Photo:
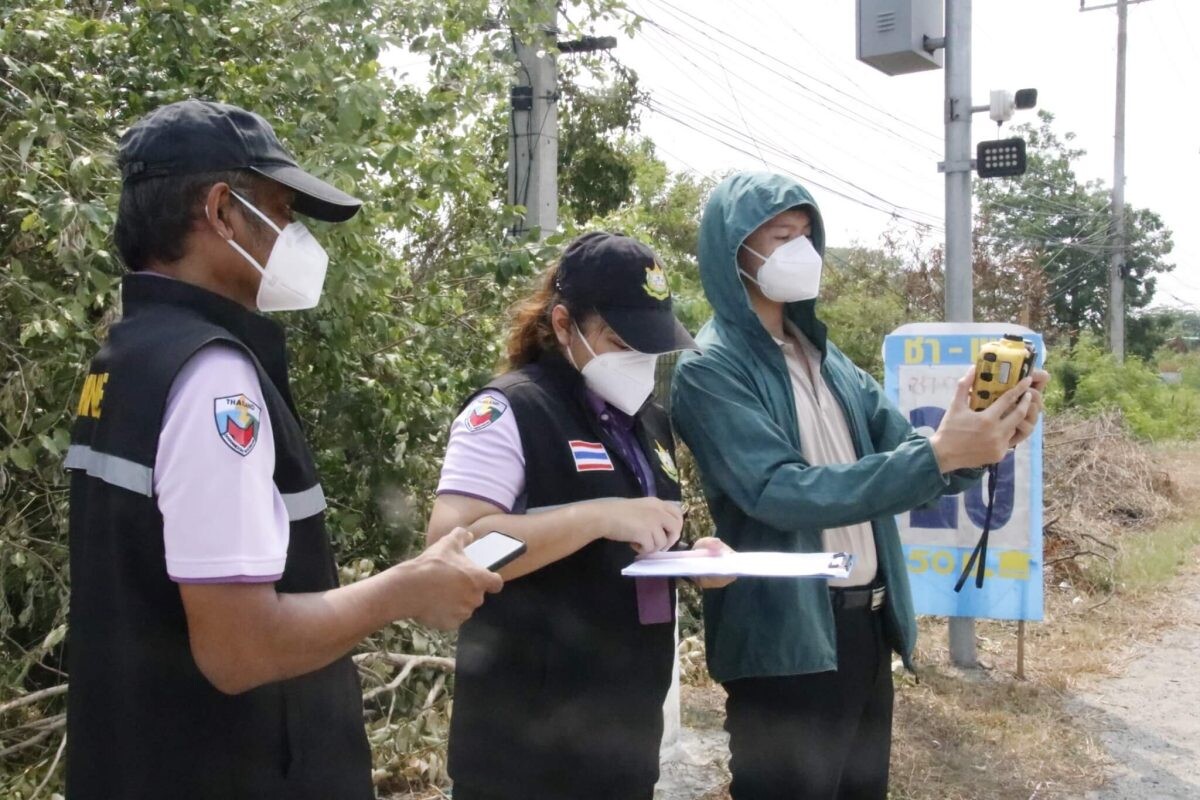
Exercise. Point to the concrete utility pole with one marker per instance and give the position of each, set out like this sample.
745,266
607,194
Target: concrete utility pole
958,276
1116,266
898,37
533,135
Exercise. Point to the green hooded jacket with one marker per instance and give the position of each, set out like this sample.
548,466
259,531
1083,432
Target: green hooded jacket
734,406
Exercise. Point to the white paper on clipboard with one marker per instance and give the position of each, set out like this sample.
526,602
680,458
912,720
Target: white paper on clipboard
701,564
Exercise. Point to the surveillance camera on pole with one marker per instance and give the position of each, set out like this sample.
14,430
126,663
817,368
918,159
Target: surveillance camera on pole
1003,158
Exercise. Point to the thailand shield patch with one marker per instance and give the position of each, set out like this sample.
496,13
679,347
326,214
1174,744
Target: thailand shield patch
237,419
484,412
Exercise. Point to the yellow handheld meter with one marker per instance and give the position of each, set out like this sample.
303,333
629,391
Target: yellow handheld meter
1002,365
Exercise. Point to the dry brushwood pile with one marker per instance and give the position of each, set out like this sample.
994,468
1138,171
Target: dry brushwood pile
1100,481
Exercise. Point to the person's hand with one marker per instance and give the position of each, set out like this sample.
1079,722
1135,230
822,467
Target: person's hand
647,523
716,547
450,585
1040,378
968,439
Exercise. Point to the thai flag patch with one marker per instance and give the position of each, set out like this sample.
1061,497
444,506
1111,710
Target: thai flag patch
590,456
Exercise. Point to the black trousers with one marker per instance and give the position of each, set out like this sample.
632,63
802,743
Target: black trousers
823,736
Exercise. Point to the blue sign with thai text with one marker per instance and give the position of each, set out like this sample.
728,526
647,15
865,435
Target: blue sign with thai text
923,362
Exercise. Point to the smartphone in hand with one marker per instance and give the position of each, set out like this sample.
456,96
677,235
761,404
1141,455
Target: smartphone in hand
494,550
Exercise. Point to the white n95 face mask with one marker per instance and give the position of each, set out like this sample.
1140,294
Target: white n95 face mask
295,271
624,379
791,273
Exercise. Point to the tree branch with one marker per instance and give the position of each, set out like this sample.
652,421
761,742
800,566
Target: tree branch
33,697
409,663
1077,554
50,772
27,743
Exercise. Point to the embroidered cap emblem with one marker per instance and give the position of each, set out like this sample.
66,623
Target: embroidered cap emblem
656,283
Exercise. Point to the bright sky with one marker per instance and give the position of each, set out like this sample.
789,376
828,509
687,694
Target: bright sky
792,95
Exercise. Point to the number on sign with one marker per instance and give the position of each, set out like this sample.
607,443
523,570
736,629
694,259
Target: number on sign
943,515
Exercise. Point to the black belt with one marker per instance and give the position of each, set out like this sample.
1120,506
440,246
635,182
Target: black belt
870,598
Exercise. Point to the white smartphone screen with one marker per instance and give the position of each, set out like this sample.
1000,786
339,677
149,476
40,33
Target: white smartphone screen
494,550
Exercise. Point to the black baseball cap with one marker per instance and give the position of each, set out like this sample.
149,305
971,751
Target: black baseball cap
623,280
195,136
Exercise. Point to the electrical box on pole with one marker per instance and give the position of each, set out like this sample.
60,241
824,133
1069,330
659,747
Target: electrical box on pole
533,131
894,36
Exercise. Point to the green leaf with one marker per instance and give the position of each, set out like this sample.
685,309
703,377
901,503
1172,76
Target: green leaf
20,457
53,638
25,145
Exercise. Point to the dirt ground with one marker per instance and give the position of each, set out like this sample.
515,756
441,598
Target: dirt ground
1110,708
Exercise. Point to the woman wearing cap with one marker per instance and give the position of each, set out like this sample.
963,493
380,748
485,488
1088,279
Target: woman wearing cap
560,679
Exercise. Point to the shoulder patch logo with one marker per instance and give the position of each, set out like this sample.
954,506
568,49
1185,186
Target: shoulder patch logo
237,418
666,462
656,283
484,412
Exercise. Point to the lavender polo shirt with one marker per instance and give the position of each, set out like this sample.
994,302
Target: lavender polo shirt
484,460
224,520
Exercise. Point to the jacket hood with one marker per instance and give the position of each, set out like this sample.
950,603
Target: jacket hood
739,205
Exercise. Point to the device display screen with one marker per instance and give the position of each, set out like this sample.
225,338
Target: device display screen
494,550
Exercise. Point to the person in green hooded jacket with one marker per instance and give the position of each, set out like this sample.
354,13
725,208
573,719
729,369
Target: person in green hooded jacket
799,450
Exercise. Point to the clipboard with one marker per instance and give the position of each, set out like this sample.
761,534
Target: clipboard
760,564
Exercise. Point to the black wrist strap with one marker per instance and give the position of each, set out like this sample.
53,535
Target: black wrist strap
978,557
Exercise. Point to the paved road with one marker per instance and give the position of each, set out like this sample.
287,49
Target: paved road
1149,717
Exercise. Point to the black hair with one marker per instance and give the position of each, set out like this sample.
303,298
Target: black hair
155,215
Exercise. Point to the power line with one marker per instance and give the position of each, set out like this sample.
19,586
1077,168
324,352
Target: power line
684,16
1183,29
657,107
825,102
700,118
814,47
670,110
738,106
1163,44
783,111
784,153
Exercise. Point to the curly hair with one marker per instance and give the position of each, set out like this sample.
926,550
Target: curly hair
530,332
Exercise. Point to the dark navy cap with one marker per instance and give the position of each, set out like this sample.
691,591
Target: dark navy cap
623,280
195,136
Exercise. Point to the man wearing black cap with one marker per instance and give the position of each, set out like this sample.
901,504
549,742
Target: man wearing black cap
560,680
208,636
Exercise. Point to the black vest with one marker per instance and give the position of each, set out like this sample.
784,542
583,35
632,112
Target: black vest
559,688
142,721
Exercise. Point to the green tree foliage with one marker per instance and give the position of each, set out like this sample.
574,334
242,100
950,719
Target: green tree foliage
867,293
1044,240
1153,329
1090,380
596,160
413,313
